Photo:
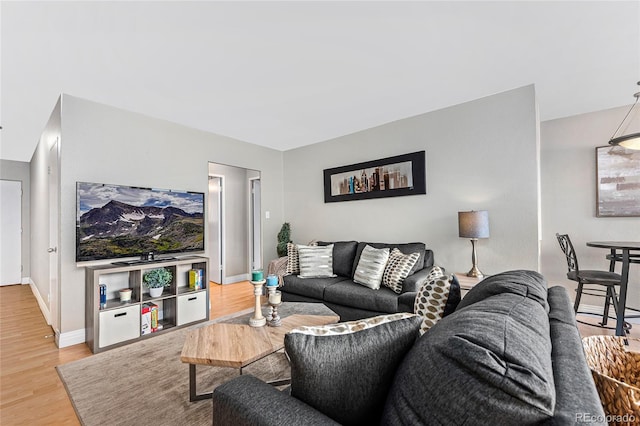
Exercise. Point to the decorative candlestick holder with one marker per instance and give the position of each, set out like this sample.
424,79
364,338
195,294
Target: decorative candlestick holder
257,320
275,300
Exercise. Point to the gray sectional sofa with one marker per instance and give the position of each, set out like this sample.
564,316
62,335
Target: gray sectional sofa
510,354
353,301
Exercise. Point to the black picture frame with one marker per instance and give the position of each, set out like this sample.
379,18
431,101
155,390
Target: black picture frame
396,176
617,182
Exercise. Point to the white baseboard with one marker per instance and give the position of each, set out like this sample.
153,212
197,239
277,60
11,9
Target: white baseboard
70,338
25,280
41,303
598,310
236,278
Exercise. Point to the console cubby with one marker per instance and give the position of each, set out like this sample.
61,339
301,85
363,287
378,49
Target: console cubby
119,323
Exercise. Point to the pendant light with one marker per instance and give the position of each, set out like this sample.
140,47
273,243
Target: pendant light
631,140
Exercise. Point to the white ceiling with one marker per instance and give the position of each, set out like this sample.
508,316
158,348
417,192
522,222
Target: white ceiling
288,74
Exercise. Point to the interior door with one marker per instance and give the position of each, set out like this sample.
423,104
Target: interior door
54,236
256,226
10,232
216,228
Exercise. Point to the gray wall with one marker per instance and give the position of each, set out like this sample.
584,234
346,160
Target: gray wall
39,200
20,171
481,155
106,144
569,198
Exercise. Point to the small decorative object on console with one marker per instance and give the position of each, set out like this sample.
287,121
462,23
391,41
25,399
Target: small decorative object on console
156,280
195,279
103,296
125,295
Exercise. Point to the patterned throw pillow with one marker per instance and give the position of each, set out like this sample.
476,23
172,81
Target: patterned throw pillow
435,272
315,261
371,267
345,370
398,268
349,327
293,264
431,301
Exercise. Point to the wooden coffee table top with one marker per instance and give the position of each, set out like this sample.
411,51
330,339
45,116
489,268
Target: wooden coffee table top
238,345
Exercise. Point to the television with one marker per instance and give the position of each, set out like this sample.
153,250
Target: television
116,221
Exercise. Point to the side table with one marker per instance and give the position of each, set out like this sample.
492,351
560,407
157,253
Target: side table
466,283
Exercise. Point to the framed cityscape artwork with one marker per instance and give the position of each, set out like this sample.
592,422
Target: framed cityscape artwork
618,182
388,177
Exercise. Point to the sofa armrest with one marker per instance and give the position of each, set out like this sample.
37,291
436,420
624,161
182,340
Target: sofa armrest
406,301
247,400
413,282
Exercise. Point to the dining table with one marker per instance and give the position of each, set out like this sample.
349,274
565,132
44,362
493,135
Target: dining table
627,256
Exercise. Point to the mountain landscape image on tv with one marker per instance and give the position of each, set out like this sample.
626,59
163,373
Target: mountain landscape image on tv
115,221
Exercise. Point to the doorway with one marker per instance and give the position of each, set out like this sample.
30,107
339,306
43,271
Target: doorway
235,228
216,239
255,239
54,235
11,225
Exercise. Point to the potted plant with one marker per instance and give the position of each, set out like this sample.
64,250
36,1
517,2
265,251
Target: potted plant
156,280
284,237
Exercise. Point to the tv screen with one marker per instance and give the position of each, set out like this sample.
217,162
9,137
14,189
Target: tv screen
114,221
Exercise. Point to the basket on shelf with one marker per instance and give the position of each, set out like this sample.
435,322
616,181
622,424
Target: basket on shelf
616,373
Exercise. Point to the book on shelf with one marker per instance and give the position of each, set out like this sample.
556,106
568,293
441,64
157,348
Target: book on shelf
145,319
196,277
149,318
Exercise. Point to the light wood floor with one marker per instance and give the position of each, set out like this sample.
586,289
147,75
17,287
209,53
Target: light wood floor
30,389
31,392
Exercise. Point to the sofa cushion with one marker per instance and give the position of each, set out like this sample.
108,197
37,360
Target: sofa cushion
431,300
371,266
344,253
404,248
345,370
398,268
309,287
491,356
571,371
350,294
315,261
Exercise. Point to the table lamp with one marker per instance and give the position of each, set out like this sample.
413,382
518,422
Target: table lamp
473,225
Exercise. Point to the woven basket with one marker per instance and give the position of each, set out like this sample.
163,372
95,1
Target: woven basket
616,373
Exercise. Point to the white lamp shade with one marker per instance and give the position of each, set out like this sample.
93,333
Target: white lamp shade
473,224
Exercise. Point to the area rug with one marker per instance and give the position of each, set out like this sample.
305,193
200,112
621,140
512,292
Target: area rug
146,383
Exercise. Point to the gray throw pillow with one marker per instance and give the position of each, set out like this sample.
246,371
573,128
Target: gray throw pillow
345,370
371,267
315,261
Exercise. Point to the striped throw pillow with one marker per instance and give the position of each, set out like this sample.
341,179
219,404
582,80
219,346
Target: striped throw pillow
398,268
315,261
371,267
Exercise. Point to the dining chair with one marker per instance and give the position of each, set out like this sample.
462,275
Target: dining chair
591,282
